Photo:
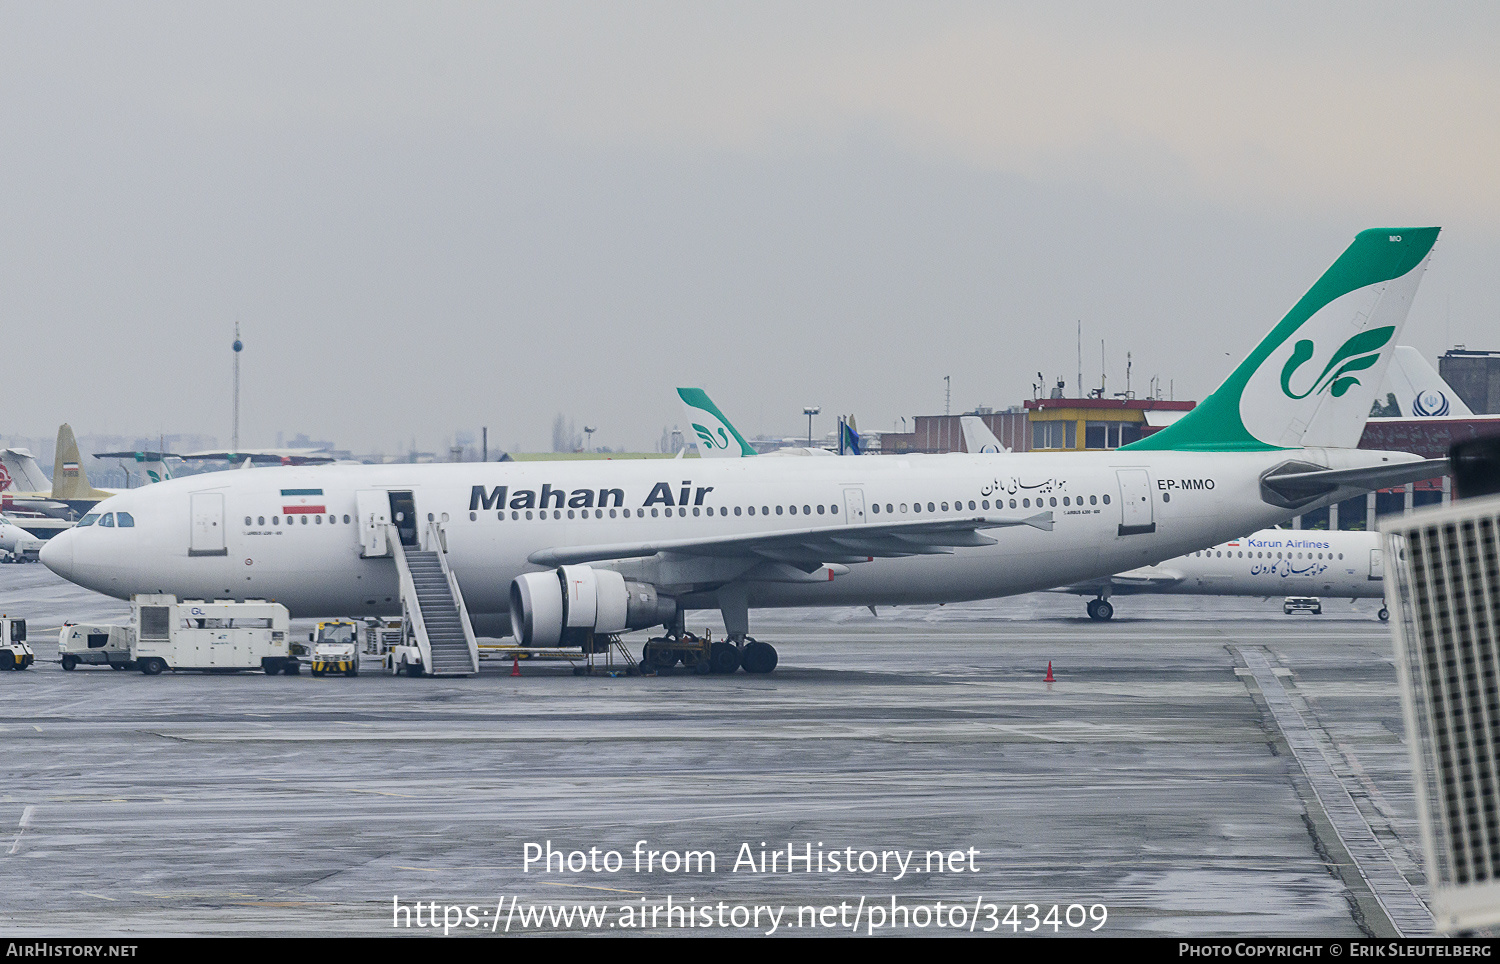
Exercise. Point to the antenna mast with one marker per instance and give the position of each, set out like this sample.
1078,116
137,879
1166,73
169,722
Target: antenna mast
239,346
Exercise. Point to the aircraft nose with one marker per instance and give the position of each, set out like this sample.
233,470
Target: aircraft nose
57,554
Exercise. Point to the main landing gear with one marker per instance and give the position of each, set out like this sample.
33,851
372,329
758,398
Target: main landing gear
704,654
1100,609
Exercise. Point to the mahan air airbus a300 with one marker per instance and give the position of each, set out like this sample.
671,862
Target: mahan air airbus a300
551,550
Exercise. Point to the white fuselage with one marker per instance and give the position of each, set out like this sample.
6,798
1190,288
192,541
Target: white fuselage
250,534
1271,562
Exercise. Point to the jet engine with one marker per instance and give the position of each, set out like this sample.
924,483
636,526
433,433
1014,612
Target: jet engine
566,606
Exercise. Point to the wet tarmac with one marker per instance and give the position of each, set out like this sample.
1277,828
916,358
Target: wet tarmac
1152,789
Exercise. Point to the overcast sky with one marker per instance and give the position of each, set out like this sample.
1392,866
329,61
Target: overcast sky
433,217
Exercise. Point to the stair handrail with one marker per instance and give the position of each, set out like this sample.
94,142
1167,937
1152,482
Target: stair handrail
413,613
439,537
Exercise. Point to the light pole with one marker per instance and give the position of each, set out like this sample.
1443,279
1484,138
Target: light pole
810,411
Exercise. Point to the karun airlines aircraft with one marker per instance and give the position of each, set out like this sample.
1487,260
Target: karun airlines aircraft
1270,562
607,546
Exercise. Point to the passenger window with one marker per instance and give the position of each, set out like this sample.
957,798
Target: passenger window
695,510
346,520
247,520
318,518
736,510
807,510
930,508
794,510
875,508
1106,499
945,507
275,520
260,520
778,510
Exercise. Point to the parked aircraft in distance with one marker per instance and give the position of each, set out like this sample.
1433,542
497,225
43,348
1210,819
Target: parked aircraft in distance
1270,562
567,548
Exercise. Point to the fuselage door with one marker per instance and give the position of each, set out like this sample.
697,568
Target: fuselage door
404,514
374,507
1377,565
208,525
854,506
1136,513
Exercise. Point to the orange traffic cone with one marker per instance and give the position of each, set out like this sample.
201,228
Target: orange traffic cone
515,666
1049,678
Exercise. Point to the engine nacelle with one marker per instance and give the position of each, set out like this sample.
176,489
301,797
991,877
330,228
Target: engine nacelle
566,606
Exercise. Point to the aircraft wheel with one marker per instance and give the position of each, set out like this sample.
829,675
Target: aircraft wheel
69,661
723,658
1384,614
758,657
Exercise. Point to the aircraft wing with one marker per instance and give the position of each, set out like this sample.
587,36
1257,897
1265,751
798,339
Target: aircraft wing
265,456
1143,580
814,546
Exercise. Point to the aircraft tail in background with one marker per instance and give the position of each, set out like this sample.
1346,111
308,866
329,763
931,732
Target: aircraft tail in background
715,436
978,439
21,472
1413,389
70,483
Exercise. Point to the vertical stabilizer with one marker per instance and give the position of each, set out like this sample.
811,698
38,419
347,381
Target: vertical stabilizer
715,436
1418,390
1311,382
21,472
69,481
978,438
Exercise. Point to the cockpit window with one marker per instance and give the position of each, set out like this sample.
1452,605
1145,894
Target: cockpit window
88,520
125,520
108,521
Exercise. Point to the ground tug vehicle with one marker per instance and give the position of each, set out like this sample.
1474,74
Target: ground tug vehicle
15,652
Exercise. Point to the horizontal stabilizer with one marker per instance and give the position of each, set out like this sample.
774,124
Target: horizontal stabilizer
1294,484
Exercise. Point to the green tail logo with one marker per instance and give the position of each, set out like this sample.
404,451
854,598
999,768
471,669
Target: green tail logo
722,442
1356,354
